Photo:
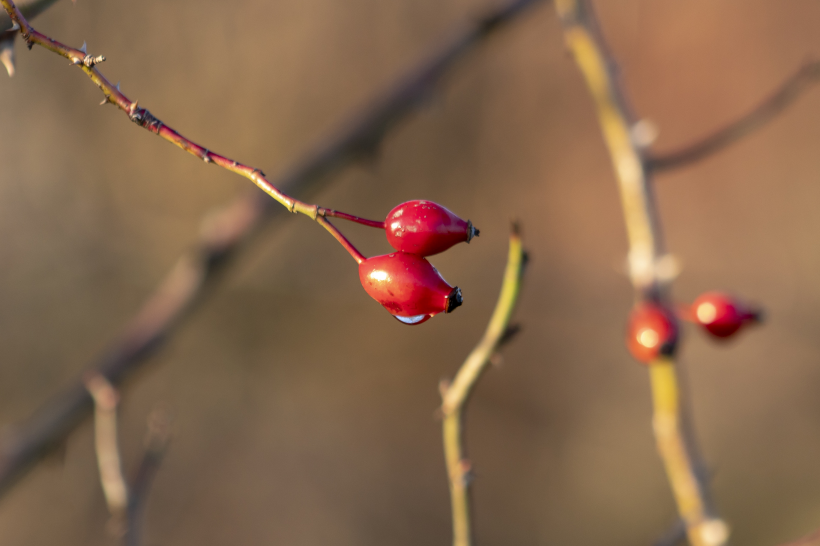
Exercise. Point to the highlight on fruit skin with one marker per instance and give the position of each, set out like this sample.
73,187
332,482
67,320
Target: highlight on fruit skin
426,228
721,315
652,331
408,286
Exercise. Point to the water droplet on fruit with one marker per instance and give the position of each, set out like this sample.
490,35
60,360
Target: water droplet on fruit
415,319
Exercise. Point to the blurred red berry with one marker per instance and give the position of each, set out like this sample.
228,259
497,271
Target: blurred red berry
652,331
426,228
407,286
720,314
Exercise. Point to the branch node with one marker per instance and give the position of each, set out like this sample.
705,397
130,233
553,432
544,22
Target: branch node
205,157
90,61
443,388
644,133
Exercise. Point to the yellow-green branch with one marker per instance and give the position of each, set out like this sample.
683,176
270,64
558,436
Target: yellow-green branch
646,251
455,395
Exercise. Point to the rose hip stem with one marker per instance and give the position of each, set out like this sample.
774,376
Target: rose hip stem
325,223
351,218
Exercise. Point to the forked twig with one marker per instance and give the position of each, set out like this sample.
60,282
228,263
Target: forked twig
126,504
456,394
763,113
646,252
222,236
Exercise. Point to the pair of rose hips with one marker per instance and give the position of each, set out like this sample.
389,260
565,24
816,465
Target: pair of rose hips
404,282
653,330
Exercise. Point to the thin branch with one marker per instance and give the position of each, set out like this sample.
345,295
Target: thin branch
350,218
113,483
456,394
763,113
646,252
324,222
142,117
156,444
223,235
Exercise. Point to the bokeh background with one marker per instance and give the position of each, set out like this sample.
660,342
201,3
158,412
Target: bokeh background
304,414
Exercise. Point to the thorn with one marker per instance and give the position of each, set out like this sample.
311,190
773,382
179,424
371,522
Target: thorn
75,62
84,49
105,100
15,26
511,331
118,86
133,107
7,55
467,474
205,156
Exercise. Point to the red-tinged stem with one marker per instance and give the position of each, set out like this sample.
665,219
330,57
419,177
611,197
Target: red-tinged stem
351,218
144,118
341,238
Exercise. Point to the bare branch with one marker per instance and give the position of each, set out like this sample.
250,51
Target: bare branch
763,113
675,442
456,394
113,484
223,235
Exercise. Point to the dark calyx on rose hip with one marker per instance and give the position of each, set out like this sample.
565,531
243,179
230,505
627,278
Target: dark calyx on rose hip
408,286
652,331
722,315
426,228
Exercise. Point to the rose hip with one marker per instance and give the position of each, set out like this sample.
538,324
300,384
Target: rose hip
408,286
720,314
652,331
426,228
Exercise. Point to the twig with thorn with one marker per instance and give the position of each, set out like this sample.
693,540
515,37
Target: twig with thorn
145,119
456,394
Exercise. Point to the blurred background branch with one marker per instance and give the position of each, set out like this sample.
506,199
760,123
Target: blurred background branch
675,440
763,113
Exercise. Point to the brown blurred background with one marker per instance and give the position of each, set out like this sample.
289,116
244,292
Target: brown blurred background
304,413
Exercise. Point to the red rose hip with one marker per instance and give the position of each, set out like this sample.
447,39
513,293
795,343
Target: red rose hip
720,314
426,228
652,331
407,286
